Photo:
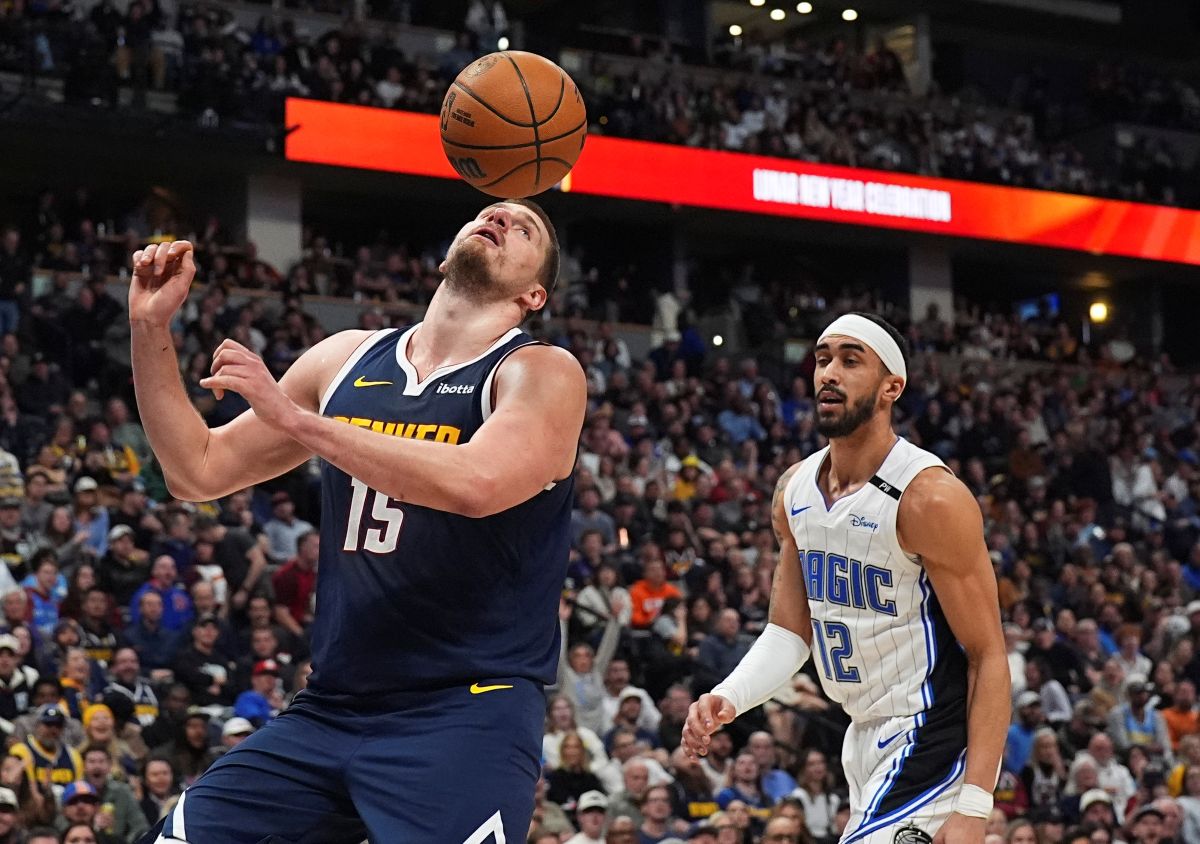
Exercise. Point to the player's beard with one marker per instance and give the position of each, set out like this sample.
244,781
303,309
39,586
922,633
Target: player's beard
469,273
853,417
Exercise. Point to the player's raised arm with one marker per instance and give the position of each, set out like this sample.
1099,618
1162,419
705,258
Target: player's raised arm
528,442
776,655
200,464
940,521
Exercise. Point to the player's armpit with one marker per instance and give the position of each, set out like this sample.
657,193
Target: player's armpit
789,598
247,451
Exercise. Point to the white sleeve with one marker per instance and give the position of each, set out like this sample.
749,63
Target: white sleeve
770,664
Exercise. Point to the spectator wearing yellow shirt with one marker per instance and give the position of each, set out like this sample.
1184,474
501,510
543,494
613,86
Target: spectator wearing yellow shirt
47,760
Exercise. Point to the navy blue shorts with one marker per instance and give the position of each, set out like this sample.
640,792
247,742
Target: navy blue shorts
449,766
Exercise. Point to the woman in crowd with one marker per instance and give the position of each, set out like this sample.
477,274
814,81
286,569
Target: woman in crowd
560,723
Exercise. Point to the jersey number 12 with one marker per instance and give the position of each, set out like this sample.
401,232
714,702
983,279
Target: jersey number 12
377,540
836,651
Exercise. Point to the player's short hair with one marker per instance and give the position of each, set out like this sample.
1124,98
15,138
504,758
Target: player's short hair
548,275
892,331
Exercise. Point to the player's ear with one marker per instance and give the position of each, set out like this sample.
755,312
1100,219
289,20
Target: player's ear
893,386
534,299
442,266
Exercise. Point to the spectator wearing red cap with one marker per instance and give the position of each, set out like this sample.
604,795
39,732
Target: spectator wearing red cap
295,584
264,700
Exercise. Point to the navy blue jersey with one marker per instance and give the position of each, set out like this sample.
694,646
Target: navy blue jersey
410,597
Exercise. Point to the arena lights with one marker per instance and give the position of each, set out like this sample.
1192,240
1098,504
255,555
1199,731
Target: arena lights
718,340
804,8
405,142
1098,312
758,2
849,15
778,14
735,30
502,44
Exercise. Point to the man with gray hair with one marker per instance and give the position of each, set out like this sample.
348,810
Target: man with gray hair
628,802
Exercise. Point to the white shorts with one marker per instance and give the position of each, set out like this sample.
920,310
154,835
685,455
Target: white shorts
904,775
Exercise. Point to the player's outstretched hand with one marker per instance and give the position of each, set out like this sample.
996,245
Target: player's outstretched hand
705,717
236,368
162,274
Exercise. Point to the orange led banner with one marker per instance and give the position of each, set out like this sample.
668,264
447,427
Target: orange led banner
403,142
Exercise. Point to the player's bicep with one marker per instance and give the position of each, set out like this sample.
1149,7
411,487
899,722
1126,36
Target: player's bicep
531,437
789,598
248,451
941,522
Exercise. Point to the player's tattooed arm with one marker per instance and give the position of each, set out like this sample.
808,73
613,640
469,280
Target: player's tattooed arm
789,601
778,513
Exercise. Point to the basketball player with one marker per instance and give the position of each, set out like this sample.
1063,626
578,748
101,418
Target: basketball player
884,573
448,450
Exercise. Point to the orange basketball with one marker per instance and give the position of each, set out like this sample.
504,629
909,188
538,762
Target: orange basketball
513,124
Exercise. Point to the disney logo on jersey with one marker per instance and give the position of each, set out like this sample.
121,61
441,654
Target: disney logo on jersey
462,389
863,522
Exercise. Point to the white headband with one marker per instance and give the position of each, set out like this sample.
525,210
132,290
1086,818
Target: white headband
874,336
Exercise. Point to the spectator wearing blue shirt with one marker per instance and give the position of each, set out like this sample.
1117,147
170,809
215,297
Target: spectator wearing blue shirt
177,605
776,782
43,598
264,700
1019,746
738,423
629,712
90,516
745,784
155,644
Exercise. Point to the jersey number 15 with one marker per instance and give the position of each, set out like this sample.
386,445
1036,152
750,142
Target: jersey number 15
377,540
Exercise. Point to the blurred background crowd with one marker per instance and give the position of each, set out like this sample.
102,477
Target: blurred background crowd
143,636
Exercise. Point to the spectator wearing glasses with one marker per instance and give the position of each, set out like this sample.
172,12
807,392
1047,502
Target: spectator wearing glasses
656,812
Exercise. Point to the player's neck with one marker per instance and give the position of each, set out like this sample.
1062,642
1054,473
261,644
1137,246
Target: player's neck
457,329
854,459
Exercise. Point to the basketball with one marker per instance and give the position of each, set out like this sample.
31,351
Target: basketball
513,124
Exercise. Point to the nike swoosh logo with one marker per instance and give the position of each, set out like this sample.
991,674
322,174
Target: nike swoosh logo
796,511
359,382
886,742
477,689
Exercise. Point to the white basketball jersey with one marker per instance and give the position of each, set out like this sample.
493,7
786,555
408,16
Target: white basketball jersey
881,644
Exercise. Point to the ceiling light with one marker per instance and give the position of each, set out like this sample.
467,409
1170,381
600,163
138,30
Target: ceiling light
758,2
735,30
503,42
849,15
804,8
778,14
1098,312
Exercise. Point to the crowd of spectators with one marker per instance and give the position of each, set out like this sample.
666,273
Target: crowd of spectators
825,101
141,636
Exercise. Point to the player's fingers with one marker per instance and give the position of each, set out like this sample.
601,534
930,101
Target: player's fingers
726,712
137,257
160,259
227,357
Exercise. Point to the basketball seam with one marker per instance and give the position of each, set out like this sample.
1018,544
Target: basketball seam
483,103
562,90
501,178
537,143
582,124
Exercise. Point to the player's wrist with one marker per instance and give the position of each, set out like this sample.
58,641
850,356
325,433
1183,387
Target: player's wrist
974,802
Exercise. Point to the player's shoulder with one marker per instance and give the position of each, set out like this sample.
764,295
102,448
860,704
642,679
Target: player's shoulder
937,495
539,361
